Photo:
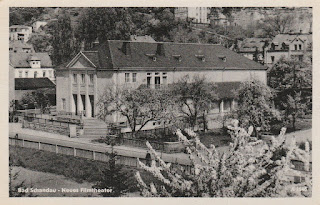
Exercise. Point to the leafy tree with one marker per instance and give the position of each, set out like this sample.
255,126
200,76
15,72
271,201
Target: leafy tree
62,40
193,97
104,24
255,106
250,168
41,43
24,15
292,79
138,106
114,178
278,23
40,98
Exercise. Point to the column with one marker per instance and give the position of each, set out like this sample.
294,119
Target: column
79,99
221,108
95,95
233,104
87,99
71,100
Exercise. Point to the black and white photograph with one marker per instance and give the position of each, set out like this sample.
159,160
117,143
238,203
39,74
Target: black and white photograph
210,102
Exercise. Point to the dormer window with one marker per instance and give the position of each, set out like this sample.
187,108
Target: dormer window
152,56
178,57
201,57
223,58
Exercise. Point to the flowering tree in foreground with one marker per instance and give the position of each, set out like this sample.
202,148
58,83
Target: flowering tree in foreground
251,168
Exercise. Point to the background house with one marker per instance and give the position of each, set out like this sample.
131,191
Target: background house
20,33
19,46
196,14
253,48
288,45
32,65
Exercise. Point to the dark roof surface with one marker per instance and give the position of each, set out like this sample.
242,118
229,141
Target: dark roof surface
110,55
33,83
226,89
20,60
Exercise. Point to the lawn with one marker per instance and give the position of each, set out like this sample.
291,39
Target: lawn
78,169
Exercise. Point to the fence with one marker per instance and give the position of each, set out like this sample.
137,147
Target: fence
92,152
167,147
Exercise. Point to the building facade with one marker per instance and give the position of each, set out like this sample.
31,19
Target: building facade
196,14
20,33
289,46
32,65
114,64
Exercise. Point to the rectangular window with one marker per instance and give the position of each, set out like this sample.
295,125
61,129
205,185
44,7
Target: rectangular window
295,47
20,74
26,74
44,74
63,103
83,80
272,59
127,77
91,78
300,47
74,78
164,80
148,82
35,74
157,82
134,77
50,73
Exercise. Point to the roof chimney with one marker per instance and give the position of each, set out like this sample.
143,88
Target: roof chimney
82,46
160,49
126,48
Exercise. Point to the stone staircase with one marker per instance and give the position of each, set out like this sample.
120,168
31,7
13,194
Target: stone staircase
94,128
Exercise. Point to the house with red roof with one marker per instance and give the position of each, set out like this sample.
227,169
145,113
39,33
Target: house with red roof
116,63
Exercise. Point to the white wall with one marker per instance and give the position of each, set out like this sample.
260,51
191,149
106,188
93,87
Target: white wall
31,72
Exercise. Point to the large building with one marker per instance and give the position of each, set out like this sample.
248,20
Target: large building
196,14
20,33
32,65
115,63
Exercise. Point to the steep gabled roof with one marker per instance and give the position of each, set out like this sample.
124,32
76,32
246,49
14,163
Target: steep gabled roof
192,56
20,60
33,83
128,55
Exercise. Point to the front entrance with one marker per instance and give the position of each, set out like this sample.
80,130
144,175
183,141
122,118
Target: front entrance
91,97
83,98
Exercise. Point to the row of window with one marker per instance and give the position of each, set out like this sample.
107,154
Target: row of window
127,77
296,47
35,74
83,78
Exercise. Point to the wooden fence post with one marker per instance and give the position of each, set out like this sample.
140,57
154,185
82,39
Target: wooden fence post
22,142
74,152
39,146
94,155
56,149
